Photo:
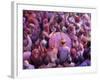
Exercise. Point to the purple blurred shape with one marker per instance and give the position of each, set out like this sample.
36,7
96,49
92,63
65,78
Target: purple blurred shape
57,37
26,55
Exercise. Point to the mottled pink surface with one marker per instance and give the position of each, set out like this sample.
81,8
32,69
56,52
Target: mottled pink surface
56,39
26,55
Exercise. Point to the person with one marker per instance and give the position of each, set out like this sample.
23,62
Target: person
27,65
74,55
26,55
87,58
36,59
52,53
43,54
64,53
29,44
44,42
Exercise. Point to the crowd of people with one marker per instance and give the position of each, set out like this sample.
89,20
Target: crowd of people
38,29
